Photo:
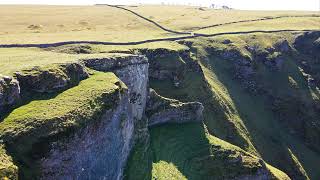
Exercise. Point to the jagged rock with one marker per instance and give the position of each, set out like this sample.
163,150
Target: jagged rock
282,46
102,150
226,41
133,71
98,151
308,43
51,79
165,64
162,110
9,92
114,62
274,61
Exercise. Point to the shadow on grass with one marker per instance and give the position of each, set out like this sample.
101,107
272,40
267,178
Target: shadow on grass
27,98
269,134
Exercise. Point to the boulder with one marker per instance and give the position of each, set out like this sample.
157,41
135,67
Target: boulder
9,92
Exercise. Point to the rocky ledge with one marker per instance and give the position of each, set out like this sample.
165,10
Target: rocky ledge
162,110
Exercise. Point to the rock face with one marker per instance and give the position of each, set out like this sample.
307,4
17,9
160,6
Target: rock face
162,110
308,43
9,92
50,79
98,151
133,71
165,64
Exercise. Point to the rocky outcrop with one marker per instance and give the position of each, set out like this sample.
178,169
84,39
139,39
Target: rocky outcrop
308,43
99,151
165,64
282,46
9,92
162,110
51,78
133,71
274,61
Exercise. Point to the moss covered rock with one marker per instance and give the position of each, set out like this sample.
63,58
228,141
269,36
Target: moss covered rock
162,110
51,78
27,127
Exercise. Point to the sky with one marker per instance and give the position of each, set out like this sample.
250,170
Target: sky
313,5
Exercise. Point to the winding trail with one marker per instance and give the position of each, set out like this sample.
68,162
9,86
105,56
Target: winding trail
46,45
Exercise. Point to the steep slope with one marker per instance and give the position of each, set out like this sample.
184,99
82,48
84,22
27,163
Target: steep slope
257,92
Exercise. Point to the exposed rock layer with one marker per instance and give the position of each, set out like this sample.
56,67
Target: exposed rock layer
53,78
162,110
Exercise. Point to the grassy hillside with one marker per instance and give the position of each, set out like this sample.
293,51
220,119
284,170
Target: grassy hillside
191,18
189,152
44,24
245,118
48,24
25,130
260,91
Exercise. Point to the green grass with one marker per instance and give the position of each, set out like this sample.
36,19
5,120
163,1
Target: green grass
297,23
188,152
163,170
49,24
263,129
30,124
233,114
69,23
188,18
77,101
7,168
16,59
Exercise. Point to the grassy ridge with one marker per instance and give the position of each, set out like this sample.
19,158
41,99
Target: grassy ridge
16,59
244,119
31,124
49,24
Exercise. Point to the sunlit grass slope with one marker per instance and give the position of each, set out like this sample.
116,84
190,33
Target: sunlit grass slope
188,152
48,24
190,18
43,24
239,117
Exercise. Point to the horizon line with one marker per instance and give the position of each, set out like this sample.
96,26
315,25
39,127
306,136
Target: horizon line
156,4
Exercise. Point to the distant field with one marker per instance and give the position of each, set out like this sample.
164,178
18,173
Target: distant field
188,18
41,24
48,24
